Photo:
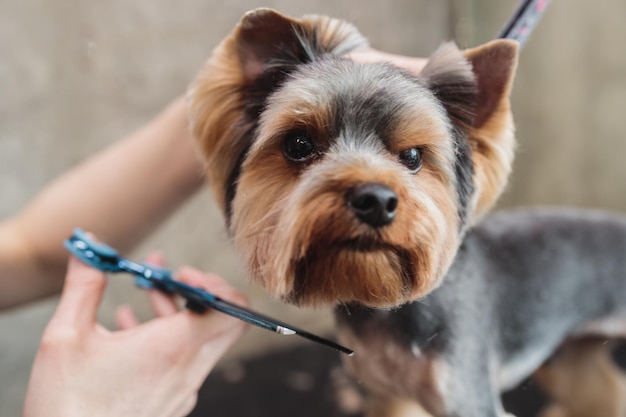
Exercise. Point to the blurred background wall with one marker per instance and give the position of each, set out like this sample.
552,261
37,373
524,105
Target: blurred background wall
76,75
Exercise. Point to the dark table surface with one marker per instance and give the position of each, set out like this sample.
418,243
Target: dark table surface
305,381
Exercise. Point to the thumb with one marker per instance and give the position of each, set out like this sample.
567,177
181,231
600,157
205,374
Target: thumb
81,295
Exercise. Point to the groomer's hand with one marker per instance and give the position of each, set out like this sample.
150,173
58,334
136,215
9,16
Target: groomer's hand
153,369
411,64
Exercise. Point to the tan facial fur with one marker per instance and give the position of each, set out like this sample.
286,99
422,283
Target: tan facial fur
290,221
295,229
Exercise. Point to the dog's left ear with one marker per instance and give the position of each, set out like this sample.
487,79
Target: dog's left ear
474,87
494,65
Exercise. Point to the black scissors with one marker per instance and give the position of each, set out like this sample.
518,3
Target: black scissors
107,259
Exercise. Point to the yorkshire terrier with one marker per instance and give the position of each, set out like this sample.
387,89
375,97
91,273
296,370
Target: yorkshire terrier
361,186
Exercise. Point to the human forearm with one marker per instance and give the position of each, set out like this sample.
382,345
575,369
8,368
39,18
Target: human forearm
121,194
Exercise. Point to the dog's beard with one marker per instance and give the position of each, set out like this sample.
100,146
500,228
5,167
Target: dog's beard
309,248
381,275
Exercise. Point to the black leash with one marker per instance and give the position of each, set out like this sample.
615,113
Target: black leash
524,20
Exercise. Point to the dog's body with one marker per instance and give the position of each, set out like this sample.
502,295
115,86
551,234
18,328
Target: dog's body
357,185
521,284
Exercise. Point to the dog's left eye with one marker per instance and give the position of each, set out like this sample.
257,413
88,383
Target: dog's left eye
298,147
412,159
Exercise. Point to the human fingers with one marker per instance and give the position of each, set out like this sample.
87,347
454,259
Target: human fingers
211,351
200,328
125,318
186,332
196,342
412,64
213,284
82,293
162,304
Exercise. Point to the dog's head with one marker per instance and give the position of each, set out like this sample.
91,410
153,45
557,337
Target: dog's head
343,181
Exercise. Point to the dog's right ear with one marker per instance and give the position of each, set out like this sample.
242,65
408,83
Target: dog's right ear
266,38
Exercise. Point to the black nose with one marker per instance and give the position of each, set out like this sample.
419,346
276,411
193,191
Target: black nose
374,204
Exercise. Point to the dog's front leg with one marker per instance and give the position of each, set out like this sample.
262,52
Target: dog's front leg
468,387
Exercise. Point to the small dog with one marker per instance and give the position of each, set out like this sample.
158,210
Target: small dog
361,186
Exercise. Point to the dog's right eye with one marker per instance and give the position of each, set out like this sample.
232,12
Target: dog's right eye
298,147
412,159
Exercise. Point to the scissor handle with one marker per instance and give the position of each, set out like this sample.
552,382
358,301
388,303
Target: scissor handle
95,254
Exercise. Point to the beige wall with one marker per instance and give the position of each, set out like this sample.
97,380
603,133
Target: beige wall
75,75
